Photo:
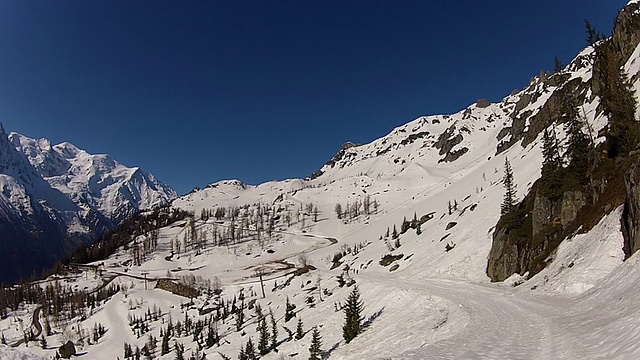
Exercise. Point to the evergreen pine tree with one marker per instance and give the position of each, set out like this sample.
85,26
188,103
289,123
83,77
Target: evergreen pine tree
316,343
353,315
274,330
288,311
551,178
263,333
128,352
242,355
558,66
164,347
578,145
240,317
179,351
212,337
592,35
299,330
250,351
509,200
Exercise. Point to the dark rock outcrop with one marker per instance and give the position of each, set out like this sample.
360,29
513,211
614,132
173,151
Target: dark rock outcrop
626,33
341,153
631,214
67,350
454,155
177,288
483,103
526,249
447,140
551,112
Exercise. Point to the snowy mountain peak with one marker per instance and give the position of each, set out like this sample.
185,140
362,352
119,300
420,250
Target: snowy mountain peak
67,150
233,184
94,181
78,193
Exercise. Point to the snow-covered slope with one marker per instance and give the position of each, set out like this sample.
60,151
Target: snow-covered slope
425,167
425,290
54,197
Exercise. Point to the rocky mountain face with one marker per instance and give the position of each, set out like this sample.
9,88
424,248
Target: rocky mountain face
612,182
55,197
461,139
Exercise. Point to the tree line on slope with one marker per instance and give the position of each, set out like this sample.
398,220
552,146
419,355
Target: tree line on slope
576,172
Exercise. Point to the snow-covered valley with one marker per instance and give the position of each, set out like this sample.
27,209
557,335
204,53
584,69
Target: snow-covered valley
409,219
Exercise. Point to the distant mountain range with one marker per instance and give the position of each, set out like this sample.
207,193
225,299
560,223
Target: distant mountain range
56,197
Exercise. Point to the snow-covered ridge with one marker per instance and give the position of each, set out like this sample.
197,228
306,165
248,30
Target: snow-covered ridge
95,181
462,139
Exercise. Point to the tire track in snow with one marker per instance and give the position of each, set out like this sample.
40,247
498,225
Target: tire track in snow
501,325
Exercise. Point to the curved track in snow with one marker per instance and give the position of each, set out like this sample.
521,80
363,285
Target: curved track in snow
501,324
35,322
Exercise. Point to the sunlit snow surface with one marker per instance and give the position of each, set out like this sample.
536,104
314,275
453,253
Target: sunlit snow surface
438,304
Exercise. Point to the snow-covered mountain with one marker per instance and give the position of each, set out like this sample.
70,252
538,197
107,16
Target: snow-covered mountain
93,181
54,197
412,219
444,165
447,166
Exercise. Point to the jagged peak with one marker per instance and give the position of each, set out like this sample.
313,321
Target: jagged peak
90,181
68,150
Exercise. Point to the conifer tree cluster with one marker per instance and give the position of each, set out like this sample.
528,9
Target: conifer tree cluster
552,174
580,150
248,352
352,211
618,102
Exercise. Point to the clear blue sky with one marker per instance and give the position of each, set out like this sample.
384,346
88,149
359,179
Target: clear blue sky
198,91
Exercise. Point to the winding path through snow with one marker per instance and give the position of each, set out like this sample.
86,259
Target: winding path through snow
501,324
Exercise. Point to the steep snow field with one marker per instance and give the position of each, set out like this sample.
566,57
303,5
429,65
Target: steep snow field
437,304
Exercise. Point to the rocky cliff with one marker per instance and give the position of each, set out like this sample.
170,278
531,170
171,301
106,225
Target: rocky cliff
528,247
